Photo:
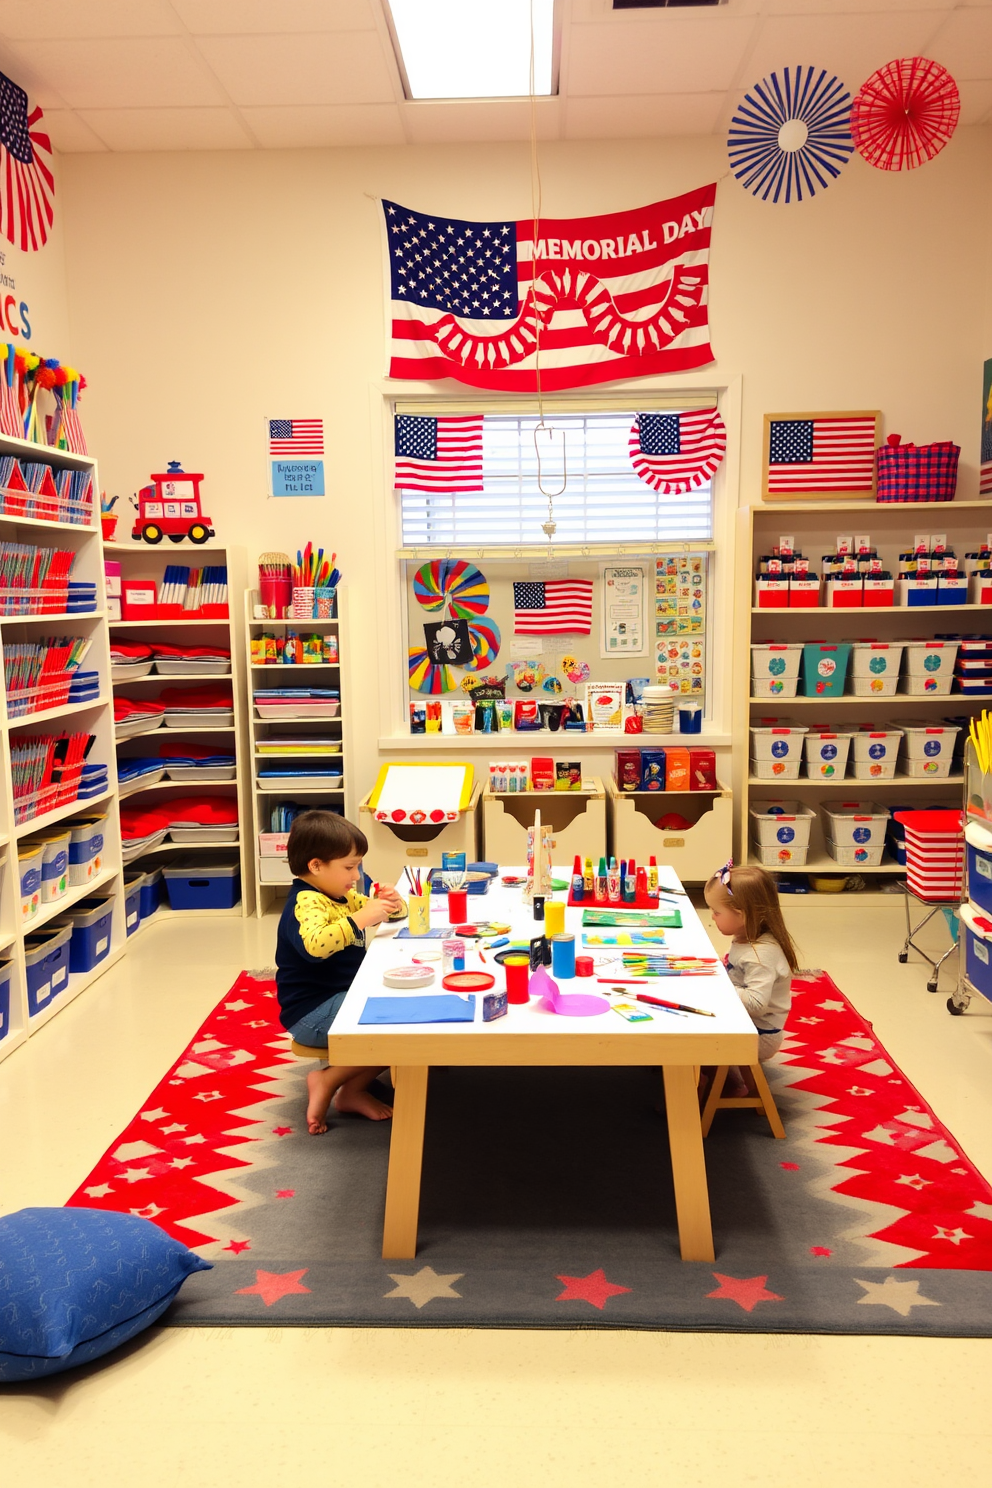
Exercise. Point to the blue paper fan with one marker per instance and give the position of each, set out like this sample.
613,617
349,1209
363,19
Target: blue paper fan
791,134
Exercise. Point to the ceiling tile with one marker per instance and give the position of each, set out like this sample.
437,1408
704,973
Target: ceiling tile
964,44
976,102
58,20
479,121
256,70
253,17
852,51
669,55
168,129
309,126
643,117
70,135
139,73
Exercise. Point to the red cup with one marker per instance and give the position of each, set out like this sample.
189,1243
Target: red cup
457,906
517,970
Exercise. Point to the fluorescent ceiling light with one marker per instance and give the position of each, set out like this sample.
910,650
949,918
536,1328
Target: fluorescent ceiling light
473,48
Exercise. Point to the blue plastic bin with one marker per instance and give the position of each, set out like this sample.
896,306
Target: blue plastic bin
133,884
978,950
46,959
979,844
6,983
203,885
152,892
90,921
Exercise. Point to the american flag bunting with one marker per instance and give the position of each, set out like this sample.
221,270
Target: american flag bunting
27,186
552,607
673,452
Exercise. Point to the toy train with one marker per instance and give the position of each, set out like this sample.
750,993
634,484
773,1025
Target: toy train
171,508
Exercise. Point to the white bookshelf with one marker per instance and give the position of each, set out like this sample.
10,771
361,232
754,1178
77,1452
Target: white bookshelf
814,528
94,717
315,674
139,560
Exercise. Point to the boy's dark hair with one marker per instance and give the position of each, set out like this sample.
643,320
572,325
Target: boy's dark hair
324,835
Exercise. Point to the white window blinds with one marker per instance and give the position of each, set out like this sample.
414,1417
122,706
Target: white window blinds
604,500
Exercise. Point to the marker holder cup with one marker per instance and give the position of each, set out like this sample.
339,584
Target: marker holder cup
419,914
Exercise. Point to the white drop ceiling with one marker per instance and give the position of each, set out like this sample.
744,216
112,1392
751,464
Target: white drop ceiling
128,75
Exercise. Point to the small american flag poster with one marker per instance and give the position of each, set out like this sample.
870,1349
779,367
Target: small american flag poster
295,450
826,456
552,607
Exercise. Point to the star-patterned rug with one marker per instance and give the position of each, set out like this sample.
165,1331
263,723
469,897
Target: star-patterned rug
547,1198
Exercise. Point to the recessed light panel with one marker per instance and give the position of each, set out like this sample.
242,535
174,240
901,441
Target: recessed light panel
473,48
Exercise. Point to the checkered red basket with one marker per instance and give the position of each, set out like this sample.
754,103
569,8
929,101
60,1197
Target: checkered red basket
917,472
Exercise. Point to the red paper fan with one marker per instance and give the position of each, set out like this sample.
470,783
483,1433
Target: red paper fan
905,114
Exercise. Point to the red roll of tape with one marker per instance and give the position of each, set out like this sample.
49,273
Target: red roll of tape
584,966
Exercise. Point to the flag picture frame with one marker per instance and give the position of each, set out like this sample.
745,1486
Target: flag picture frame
827,455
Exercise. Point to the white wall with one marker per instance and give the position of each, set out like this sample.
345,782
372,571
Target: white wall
209,291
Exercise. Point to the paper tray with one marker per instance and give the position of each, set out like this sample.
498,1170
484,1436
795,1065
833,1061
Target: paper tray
298,710
289,782
140,782
170,667
201,772
129,671
201,718
138,725
197,833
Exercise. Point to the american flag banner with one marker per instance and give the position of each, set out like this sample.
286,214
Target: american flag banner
593,299
824,452
673,452
295,439
27,186
438,454
552,607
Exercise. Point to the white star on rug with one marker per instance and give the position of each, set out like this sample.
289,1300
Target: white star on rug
914,1117
176,1126
155,1115
954,1236
859,1041
181,1162
196,1137
913,1180
809,1020
939,1151
238,1006
981,1211
127,1151
832,1007
135,1175
877,1067
99,1192
209,1095
859,1090
424,1286
901,1296
149,1211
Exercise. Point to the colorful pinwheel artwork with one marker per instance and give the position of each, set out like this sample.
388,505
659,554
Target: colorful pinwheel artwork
905,114
452,582
426,675
27,186
791,135
485,638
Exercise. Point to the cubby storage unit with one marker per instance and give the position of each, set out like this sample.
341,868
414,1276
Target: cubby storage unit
695,851
299,757
814,528
29,995
214,626
578,819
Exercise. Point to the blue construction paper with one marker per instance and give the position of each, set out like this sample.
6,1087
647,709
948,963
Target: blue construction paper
436,934
438,1007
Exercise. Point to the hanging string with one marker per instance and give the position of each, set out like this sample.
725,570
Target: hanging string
536,203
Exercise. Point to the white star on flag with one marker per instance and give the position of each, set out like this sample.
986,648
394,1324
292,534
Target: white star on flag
981,1211
181,1162
913,1180
155,1115
100,1191
901,1296
832,1007
176,1126
135,1175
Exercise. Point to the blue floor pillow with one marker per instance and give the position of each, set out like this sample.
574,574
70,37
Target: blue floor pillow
76,1283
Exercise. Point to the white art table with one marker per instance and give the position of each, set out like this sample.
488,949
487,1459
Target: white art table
530,1036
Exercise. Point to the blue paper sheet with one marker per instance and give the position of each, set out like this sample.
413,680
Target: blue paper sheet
437,1007
436,934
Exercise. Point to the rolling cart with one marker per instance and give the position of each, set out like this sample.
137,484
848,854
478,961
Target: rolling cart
934,870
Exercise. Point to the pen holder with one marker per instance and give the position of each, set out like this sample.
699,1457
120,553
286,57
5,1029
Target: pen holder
457,906
275,594
554,917
419,921
303,602
324,604
517,970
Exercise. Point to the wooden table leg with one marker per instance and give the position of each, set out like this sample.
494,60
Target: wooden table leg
685,1138
406,1154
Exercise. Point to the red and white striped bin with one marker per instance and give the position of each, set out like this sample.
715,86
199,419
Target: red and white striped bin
935,853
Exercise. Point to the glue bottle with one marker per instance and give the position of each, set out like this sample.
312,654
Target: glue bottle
601,882
613,882
630,883
653,878
587,878
578,882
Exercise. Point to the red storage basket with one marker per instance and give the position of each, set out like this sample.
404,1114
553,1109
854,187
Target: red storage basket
916,472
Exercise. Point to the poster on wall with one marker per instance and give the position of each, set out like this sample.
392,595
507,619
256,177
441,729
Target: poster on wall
624,632
680,622
295,457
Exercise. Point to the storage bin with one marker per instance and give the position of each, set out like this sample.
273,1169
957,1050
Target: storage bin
826,754
691,850
29,860
218,718
274,871
152,892
804,592
90,921
203,885
46,963
779,770
774,687
980,587
86,848
772,594
978,845
273,844
781,823
201,773
977,931
94,782
776,750
577,817
928,667
199,833
132,903
824,668
952,590
874,753
54,866
935,851
875,668
6,984
779,856
915,593
776,660
844,593
855,855
928,749
856,823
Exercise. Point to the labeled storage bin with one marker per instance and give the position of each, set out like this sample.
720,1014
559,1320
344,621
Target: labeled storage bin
977,933
875,668
132,903
86,848
201,884
776,750
856,823
781,823
874,753
29,860
826,754
929,667
6,985
978,845
824,668
54,866
775,668
928,750
855,855
779,856
90,921
46,962
690,832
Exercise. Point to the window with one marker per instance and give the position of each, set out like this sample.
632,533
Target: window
604,500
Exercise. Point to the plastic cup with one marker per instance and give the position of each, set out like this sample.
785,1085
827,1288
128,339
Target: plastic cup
457,906
517,970
419,907
554,917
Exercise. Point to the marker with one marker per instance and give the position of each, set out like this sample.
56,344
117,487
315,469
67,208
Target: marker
613,882
630,883
587,878
661,1006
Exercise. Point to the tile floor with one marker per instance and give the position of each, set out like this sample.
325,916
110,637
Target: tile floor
267,1408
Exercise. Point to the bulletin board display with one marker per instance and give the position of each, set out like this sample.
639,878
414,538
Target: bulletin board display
490,625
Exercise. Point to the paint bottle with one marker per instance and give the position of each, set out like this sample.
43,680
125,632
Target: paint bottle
641,892
653,878
601,882
578,881
587,878
630,883
613,882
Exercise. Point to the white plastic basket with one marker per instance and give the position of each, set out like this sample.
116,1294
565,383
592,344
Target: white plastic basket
874,753
930,769
776,769
851,855
780,855
856,823
781,824
777,742
928,667
826,755
776,659
928,742
876,661
876,686
774,687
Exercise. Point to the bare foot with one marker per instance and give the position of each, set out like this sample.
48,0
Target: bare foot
319,1089
362,1103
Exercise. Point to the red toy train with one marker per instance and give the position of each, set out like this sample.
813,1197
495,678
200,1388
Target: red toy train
171,508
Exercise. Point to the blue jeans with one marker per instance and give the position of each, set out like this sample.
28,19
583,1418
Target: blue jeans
313,1029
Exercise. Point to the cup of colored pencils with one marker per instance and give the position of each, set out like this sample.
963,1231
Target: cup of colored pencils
275,585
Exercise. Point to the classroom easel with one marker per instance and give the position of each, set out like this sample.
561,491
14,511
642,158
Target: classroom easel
762,1100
